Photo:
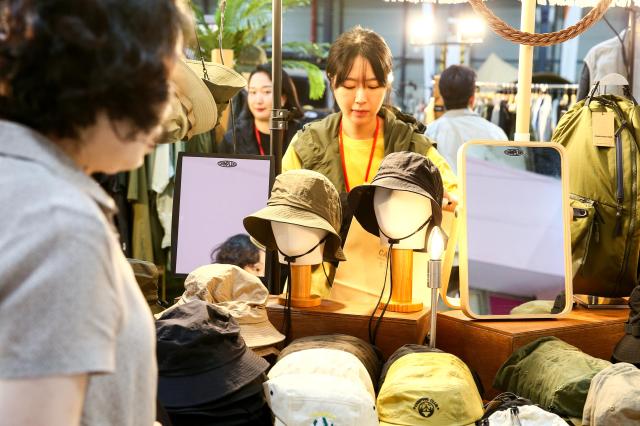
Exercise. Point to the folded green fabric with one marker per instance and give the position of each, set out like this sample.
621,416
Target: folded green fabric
551,373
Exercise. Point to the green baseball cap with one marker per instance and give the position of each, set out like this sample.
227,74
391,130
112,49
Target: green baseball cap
305,198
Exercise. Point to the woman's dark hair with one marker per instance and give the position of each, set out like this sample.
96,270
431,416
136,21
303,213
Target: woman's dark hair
457,85
64,61
237,250
288,89
356,42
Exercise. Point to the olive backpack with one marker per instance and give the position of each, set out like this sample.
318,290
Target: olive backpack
603,182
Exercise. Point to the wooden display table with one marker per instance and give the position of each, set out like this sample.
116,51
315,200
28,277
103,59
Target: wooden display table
485,345
350,318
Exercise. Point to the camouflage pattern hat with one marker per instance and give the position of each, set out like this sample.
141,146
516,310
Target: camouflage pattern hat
147,276
305,198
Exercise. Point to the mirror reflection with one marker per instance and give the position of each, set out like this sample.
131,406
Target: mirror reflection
514,230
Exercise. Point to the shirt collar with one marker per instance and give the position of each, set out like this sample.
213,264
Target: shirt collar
24,143
459,112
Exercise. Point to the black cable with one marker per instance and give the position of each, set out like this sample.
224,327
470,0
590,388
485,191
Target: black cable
286,322
223,5
374,334
325,275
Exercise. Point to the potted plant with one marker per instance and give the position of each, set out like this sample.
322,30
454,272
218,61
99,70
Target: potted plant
246,24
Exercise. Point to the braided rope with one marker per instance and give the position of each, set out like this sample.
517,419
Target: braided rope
505,31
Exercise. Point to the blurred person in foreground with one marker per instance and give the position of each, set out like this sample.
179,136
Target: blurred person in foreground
83,89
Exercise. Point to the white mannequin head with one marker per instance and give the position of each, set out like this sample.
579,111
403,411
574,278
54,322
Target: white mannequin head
296,239
399,213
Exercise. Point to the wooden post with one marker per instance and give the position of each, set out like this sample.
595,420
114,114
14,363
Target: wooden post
301,296
525,69
402,275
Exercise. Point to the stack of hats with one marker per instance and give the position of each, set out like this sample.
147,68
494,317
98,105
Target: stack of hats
422,386
313,385
238,293
628,348
304,198
614,397
207,375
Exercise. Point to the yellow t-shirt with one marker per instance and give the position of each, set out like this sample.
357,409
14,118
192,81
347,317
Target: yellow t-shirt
356,153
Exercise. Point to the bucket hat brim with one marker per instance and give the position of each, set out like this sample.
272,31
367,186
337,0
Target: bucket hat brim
258,225
627,350
209,386
223,82
260,334
195,97
361,201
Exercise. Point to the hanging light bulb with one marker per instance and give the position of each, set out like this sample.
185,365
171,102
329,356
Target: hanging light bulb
435,244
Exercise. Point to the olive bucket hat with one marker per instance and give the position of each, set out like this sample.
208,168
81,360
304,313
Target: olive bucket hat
305,198
402,171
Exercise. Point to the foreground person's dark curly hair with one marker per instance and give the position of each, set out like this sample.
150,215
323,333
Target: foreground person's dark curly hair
62,62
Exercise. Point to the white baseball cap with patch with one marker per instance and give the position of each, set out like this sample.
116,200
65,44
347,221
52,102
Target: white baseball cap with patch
321,386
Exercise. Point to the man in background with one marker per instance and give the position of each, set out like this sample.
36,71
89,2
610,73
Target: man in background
460,123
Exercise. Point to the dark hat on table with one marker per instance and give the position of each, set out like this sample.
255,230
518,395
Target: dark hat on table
201,355
628,348
401,171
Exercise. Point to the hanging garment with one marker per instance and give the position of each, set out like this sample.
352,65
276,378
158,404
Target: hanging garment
605,232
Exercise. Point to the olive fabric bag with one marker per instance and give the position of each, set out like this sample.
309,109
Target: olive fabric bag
552,374
603,182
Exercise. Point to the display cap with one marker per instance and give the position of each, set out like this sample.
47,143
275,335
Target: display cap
614,396
201,355
410,348
369,355
429,388
628,348
223,82
527,415
237,292
401,171
305,198
196,103
321,386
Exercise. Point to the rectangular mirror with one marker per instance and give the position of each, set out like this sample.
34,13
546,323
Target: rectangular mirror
515,259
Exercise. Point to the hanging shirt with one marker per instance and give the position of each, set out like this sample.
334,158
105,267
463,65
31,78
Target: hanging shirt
458,126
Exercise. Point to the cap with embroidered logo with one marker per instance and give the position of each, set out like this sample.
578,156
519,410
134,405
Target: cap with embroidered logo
429,388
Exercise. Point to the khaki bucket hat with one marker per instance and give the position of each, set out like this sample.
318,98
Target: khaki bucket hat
196,101
223,82
305,198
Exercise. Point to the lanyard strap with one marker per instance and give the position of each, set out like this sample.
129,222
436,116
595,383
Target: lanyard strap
259,139
373,150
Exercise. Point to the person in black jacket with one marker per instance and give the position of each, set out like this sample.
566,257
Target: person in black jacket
252,127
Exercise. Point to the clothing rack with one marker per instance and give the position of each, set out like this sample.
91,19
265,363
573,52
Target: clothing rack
539,86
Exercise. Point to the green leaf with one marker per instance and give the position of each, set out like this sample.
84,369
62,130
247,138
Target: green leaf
316,77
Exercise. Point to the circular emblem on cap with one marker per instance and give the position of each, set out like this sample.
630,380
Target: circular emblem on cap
426,407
